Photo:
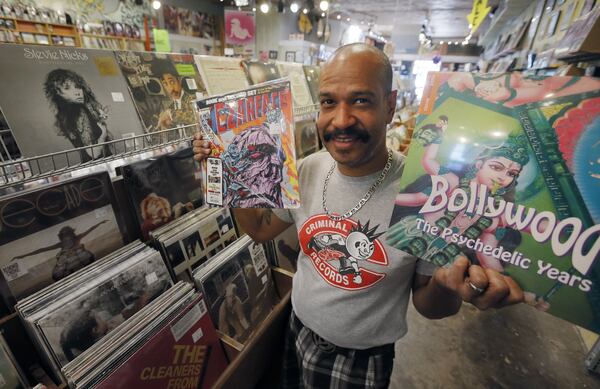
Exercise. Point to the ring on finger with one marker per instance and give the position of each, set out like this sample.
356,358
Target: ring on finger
476,288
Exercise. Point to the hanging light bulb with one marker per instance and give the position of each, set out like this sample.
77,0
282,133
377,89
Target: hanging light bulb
324,5
264,8
338,17
156,4
305,11
294,7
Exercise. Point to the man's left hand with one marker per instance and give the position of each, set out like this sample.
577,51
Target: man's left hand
484,288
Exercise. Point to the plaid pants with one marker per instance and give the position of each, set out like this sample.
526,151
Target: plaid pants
312,362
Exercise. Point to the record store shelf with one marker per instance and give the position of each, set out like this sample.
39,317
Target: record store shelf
48,165
44,166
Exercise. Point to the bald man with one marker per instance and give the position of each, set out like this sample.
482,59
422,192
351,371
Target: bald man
351,290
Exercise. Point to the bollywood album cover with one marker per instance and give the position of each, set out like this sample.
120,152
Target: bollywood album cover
185,353
101,306
313,77
512,189
259,72
300,90
163,87
79,96
307,138
54,231
252,164
221,74
239,290
162,189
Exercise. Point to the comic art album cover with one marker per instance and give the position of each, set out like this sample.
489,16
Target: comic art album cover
172,343
253,163
238,287
51,232
163,87
82,315
482,183
69,97
162,189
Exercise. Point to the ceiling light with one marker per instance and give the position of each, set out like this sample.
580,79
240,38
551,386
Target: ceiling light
324,5
264,8
338,17
305,11
322,14
456,43
294,7
156,4
441,42
347,19
253,9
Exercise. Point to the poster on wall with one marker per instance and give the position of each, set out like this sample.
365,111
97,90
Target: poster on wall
58,99
163,87
188,22
240,31
513,185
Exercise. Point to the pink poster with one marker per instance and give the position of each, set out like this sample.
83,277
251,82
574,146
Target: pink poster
240,29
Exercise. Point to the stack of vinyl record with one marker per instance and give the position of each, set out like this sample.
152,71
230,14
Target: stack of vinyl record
170,343
69,316
190,241
284,249
239,289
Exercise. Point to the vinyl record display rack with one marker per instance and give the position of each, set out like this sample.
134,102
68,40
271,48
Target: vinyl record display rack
30,169
44,166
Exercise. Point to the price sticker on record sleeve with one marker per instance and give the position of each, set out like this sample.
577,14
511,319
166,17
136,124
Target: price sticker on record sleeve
13,271
214,181
259,258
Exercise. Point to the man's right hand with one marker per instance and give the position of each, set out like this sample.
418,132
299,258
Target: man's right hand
201,147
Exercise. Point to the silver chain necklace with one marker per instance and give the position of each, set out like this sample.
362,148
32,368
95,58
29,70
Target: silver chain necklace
364,199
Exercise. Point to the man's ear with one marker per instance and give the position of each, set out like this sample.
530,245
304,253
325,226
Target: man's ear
391,105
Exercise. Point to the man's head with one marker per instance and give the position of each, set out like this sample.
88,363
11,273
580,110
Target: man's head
357,102
169,78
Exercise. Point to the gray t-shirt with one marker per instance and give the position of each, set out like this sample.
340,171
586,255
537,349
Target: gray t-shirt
350,287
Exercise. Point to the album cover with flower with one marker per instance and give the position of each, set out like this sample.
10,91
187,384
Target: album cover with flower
511,187
253,163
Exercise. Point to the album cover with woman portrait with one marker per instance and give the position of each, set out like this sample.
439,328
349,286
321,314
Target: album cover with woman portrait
54,231
80,99
513,188
163,87
162,189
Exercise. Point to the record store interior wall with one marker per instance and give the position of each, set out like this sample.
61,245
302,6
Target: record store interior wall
273,27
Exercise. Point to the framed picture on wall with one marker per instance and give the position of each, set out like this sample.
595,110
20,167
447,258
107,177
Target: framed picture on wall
290,56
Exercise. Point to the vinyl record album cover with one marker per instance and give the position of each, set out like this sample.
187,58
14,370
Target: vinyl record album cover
97,309
300,90
221,74
512,185
239,290
185,353
54,231
259,72
313,77
77,98
163,87
253,163
162,189
306,137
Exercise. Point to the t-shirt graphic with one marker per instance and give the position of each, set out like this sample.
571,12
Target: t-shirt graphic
339,249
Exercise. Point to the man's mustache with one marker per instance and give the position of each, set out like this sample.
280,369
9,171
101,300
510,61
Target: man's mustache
360,134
